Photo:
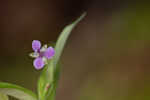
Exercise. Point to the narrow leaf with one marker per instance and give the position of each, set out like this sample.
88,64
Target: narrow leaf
43,80
63,38
17,91
51,93
49,77
3,97
59,49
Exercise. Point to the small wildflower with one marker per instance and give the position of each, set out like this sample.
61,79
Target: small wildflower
41,54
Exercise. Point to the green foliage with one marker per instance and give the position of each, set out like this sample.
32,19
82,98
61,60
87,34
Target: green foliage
63,37
3,97
48,80
49,77
17,91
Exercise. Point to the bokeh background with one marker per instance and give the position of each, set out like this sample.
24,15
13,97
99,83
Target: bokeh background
107,56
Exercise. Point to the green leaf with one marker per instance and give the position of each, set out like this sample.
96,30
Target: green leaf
49,77
42,82
63,38
3,97
44,79
59,49
47,82
17,91
51,93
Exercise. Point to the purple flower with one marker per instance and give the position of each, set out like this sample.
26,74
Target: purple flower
41,54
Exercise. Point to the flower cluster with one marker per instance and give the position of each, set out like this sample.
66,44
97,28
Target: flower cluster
41,54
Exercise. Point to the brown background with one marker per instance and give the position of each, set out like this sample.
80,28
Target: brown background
106,56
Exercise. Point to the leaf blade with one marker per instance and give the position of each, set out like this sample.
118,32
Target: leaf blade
3,97
59,49
17,91
63,38
50,74
50,95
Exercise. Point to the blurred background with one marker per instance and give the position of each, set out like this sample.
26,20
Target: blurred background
107,56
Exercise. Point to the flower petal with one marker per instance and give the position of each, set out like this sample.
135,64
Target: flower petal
49,53
36,45
38,63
